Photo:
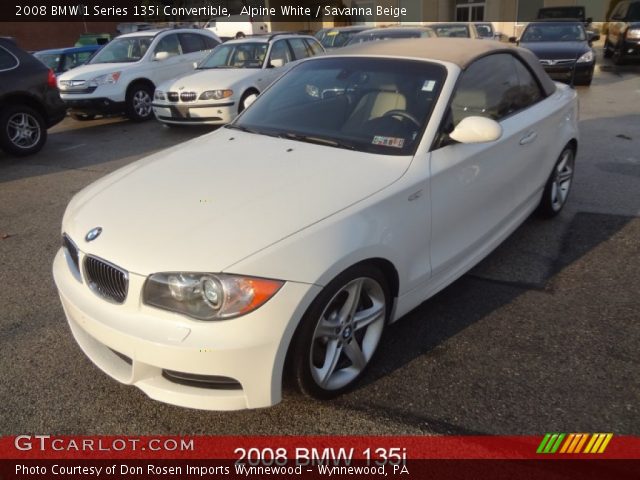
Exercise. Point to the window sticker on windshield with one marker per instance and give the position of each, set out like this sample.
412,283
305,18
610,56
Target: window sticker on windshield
429,85
388,141
333,33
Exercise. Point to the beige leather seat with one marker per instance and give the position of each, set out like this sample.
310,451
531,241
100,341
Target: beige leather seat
467,103
373,105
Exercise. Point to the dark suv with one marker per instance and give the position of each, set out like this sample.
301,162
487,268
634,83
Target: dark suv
623,32
29,100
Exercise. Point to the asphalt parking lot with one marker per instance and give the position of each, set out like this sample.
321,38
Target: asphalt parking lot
542,336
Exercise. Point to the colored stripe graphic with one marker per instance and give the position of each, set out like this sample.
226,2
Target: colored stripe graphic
574,443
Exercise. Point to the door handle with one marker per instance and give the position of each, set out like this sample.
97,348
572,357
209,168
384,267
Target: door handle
528,138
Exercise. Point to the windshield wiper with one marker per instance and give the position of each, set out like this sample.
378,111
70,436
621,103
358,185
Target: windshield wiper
242,128
317,140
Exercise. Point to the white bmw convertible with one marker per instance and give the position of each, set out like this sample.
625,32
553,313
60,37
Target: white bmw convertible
354,188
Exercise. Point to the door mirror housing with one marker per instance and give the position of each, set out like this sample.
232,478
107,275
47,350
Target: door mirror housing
160,56
513,39
476,130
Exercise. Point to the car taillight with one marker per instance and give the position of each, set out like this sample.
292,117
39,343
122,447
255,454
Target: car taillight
51,79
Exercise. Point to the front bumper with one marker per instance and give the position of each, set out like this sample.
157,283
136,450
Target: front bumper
583,72
94,106
138,345
207,114
631,49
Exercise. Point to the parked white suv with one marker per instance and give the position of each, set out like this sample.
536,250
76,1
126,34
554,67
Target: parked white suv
123,75
230,78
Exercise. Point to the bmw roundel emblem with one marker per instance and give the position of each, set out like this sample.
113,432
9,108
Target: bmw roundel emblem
93,234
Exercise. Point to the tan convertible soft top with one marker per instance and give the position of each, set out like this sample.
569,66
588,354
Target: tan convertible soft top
460,51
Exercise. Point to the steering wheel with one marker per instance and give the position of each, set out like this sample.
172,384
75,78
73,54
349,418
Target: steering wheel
403,114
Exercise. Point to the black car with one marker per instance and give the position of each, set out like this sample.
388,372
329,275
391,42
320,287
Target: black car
623,32
387,33
564,50
29,100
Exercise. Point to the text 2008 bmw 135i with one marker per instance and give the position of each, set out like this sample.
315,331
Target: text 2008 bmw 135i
354,188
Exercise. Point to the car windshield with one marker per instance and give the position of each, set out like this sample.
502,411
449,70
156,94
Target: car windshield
336,38
51,60
555,32
120,50
454,31
236,55
485,30
364,104
386,35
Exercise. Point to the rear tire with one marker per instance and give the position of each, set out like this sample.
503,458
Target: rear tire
558,186
22,130
139,99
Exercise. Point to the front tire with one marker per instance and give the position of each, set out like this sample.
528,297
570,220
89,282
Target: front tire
558,186
22,130
340,332
139,99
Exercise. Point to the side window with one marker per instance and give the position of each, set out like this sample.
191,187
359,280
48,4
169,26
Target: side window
299,48
487,89
82,57
7,60
192,42
280,51
314,46
169,44
530,92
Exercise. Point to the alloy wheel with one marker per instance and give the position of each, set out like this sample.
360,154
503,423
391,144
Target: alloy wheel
347,333
562,180
142,103
23,130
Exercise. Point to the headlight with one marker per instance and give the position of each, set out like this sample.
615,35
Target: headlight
215,94
208,296
158,95
633,34
586,58
108,79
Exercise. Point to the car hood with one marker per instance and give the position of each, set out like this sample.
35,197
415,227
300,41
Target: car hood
210,79
557,50
88,72
210,202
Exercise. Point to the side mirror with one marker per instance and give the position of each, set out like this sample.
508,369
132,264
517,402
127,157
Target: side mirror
476,130
195,65
276,63
513,39
589,20
160,56
594,37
